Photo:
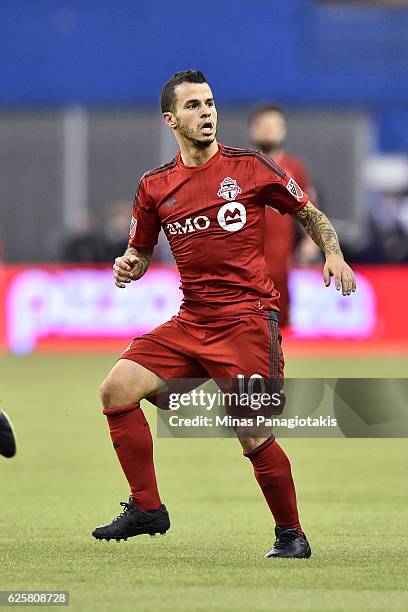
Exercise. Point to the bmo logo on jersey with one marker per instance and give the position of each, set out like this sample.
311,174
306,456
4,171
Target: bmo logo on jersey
188,225
232,216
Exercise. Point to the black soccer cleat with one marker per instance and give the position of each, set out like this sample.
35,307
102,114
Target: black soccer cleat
134,521
289,545
7,439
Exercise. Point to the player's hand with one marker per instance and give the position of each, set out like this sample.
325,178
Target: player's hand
123,270
344,278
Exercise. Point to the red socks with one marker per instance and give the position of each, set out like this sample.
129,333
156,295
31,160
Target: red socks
132,441
274,476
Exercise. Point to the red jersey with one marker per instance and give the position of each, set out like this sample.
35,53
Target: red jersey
279,235
214,218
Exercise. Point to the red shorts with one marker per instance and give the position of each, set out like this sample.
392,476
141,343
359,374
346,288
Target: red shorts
184,348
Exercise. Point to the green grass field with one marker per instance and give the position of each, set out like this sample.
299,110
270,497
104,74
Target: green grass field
65,480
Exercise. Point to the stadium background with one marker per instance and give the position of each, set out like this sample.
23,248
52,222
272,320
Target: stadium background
79,124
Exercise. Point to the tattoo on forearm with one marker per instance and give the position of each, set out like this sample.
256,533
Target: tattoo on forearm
319,228
145,256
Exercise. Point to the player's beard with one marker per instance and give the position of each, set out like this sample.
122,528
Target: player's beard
269,147
191,136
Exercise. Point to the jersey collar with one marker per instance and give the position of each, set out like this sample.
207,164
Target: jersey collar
201,167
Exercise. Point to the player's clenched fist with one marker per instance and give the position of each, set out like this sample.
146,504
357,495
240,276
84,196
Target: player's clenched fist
130,266
123,269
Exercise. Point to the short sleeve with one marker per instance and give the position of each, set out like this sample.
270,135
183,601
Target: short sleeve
145,223
274,187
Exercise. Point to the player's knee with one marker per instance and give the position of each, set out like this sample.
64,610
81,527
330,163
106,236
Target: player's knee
109,393
125,384
117,391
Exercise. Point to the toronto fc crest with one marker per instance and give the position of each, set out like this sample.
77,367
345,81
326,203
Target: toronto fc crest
229,189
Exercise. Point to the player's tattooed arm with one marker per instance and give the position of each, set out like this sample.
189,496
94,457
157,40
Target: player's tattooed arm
131,266
321,230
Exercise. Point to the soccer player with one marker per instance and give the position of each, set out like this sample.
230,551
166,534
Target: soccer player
267,130
7,439
210,200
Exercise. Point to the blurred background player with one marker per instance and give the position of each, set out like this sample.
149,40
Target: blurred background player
267,130
7,439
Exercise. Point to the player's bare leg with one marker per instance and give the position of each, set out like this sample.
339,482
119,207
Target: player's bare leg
126,384
273,473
